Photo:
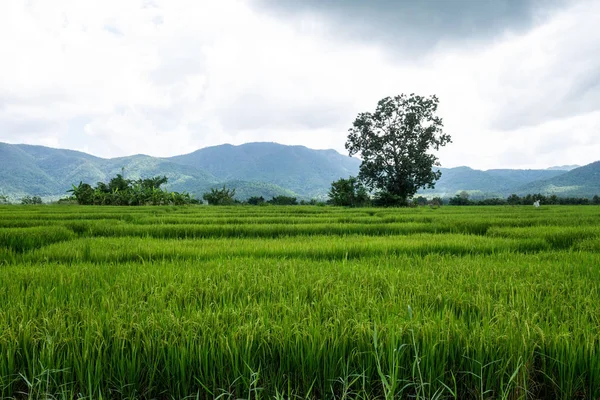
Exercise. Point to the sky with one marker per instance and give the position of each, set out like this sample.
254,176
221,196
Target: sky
518,80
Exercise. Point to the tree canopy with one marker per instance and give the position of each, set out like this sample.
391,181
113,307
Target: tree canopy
348,193
394,143
126,192
220,197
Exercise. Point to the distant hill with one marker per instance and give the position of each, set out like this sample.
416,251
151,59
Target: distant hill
260,169
302,170
49,173
490,183
563,167
255,169
38,170
579,182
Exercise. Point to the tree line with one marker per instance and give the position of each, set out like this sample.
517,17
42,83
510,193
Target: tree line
127,192
462,199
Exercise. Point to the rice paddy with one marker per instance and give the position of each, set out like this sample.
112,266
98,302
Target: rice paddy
299,302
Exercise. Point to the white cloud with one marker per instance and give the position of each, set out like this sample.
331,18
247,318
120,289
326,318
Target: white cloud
167,77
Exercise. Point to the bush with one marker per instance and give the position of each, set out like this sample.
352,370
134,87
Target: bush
283,201
387,199
436,202
125,192
220,197
256,201
348,193
28,200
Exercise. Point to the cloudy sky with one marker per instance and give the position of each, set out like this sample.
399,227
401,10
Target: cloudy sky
518,80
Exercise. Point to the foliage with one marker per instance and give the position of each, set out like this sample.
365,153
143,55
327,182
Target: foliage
393,143
420,201
67,200
383,198
436,202
31,200
514,200
220,197
126,192
529,199
256,201
4,199
461,199
283,201
348,193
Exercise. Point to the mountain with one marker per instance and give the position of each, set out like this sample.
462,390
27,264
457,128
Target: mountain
563,167
255,169
302,170
181,177
579,182
490,183
38,170
261,169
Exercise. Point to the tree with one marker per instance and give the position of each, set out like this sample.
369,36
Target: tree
436,202
421,201
513,199
125,192
348,193
461,199
220,197
283,201
28,200
84,193
596,200
256,201
393,143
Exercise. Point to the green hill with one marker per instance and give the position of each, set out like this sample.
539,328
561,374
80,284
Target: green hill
42,171
260,169
49,173
297,168
490,183
579,182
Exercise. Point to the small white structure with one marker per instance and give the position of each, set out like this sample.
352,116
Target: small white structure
536,204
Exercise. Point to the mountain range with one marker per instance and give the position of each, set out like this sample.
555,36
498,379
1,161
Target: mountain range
261,169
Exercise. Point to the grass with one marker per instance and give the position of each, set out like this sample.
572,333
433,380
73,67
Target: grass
202,302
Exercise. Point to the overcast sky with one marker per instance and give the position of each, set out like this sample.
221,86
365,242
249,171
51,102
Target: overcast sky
518,80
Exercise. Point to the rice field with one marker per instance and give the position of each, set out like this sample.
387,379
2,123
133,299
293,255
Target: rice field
299,302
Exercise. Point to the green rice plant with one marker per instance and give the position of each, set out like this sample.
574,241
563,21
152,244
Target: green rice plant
134,249
270,317
22,239
202,302
559,237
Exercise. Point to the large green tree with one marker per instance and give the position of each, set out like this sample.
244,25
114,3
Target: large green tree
395,144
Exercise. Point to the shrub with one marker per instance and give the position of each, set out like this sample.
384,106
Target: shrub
283,201
28,200
348,193
220,197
